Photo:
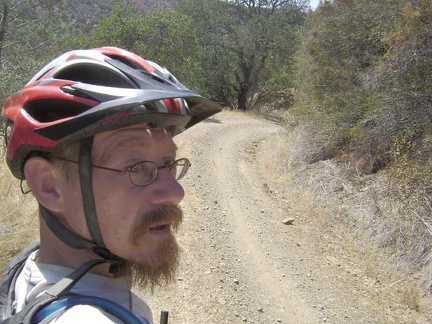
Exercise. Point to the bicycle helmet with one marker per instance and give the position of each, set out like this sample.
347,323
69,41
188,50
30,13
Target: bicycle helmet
86,92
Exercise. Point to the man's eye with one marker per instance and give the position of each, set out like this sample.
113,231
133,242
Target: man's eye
168,162
134,168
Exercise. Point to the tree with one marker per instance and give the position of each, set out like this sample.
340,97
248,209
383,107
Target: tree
164,36
30,24
3,20
29,31
342,44
407,68
405,119
241,39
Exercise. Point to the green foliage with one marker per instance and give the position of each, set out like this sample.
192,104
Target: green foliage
342,45
231,51
404,76
28,25
170,40
164,36
30,31
245,43
406,71
364,78
363,73
217,61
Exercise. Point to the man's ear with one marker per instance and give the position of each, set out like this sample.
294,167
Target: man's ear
43,179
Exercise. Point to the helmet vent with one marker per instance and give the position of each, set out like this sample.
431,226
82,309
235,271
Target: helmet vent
49,110
93,74
125,61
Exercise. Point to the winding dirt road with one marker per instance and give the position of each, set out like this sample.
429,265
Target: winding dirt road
240,262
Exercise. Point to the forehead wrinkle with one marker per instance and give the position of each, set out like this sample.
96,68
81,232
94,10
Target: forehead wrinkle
118,142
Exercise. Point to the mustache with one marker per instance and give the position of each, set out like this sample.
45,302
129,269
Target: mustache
169,214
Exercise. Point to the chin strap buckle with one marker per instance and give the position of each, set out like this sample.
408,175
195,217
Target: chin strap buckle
115,262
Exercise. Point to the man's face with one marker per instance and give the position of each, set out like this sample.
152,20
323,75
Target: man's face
136,222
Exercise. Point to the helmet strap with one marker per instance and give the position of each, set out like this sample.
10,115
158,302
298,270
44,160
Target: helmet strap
86,179
78,242
85,173
62,232
69,237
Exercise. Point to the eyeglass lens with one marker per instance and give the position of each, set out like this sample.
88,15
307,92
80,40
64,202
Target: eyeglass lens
145,172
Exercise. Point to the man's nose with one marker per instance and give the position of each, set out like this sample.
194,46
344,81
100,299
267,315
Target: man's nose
166,189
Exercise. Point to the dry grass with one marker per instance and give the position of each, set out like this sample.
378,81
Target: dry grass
233,114
365,215
17,217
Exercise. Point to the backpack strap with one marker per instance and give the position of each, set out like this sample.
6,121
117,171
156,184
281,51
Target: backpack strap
25,315
8,281
46,308
64,285
57,299
51,311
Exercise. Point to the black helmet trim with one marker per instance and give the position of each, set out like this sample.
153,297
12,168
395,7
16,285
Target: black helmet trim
174,123
139,103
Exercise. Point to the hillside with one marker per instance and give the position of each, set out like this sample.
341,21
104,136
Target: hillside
355,98
84,15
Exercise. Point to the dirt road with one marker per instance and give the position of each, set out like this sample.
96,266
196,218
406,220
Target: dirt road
240,262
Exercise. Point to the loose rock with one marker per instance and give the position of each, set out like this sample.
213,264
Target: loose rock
288,221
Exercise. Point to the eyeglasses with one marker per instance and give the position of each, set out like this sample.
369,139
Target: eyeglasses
145,172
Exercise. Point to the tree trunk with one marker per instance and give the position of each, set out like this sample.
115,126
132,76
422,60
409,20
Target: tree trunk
243,77
242,95
3,31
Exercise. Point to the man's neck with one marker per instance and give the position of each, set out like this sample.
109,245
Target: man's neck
54,251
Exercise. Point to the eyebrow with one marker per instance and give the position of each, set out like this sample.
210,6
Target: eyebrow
117,145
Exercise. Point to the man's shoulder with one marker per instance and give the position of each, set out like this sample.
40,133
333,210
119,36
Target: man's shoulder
36,278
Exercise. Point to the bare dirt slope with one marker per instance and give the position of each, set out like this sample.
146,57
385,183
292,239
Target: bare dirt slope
240,262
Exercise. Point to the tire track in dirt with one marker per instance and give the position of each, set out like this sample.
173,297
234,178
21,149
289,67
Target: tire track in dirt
236,249
254,225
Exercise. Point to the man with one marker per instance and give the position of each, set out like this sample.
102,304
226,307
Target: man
91,134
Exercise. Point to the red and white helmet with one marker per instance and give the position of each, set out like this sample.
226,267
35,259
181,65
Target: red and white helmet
85,92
